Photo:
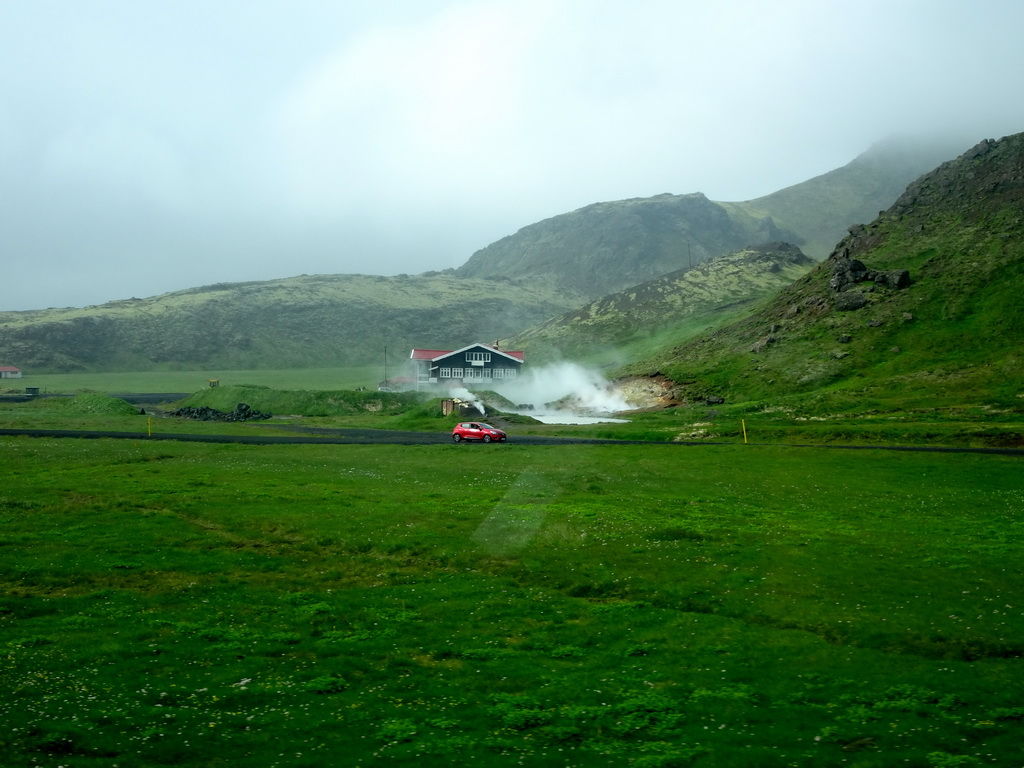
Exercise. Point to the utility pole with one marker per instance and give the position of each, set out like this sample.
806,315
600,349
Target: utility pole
689,259
385,365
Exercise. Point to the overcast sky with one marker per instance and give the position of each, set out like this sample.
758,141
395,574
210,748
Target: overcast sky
148,146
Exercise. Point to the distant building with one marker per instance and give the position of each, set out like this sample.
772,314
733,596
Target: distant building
476,364
9,372
396,384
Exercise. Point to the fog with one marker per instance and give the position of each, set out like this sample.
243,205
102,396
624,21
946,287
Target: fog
463,394
148,147
564,393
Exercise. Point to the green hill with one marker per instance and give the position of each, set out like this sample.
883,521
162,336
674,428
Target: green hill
606,247
307,321
850,334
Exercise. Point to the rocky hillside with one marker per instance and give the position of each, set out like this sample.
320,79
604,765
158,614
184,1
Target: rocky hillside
919,308
607,247
308,321
671,306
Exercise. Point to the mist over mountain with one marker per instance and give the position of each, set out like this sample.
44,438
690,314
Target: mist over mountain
821,209
606,247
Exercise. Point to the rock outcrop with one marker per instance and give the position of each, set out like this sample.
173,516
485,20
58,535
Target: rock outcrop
242,412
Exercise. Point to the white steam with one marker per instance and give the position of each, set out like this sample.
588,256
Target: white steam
565,393
464,394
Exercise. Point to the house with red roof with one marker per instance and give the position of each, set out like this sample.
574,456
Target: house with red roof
9,372
477,364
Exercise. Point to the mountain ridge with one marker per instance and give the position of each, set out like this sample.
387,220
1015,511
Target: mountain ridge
609,246
313,321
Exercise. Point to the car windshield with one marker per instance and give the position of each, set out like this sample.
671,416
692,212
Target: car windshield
485,426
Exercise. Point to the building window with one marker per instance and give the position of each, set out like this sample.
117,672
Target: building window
486,372
480,357
445,373
456,373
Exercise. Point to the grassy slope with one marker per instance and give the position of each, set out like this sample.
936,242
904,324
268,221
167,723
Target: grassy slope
666,311
821,209
190,381
950,339
304,322
183,604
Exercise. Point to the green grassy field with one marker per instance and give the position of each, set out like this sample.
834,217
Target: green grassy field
325,397
202,605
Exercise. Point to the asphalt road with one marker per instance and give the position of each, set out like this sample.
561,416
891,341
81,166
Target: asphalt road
319,436
315,436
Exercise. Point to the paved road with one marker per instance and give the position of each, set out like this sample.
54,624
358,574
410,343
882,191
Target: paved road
320,436
315,436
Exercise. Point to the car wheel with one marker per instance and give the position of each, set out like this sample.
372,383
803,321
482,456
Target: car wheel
456,438
487,438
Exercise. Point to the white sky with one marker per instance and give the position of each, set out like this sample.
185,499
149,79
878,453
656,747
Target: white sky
152,146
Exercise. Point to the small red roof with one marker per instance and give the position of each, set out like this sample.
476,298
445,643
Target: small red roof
10,369
428,354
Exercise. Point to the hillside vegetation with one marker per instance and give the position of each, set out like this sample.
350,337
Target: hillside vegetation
308,321
821,209
667,309
845,336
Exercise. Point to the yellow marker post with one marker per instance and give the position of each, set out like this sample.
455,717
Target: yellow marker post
743,423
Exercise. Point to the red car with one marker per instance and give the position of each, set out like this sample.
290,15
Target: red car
477,430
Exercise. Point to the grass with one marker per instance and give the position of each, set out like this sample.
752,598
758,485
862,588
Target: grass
190,604
639,345
296,322
191,381
794,421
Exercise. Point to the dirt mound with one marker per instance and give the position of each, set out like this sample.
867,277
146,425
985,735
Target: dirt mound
644,392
